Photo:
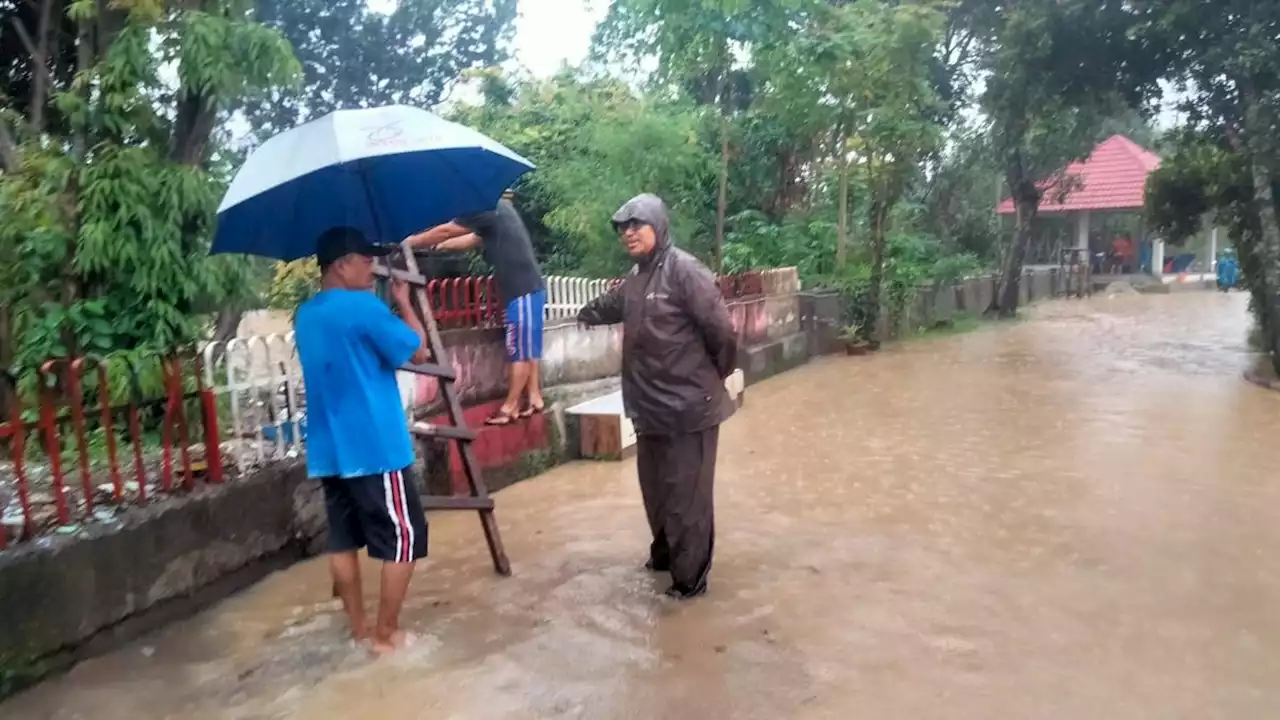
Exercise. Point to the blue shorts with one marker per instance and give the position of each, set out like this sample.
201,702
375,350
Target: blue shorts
524,326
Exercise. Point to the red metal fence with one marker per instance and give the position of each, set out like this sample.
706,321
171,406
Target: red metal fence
465,302
68,410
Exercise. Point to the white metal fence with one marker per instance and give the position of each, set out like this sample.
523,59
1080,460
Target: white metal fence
258,384
567,295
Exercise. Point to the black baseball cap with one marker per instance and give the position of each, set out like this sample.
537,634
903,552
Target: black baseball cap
339,242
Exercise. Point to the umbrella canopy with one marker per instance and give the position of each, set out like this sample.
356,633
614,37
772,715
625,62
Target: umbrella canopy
388,171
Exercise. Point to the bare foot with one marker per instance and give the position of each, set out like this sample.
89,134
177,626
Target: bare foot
397,640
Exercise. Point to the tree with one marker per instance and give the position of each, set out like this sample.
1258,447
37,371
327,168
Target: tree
1226,57
1202,176
1055,71
958,198
864,73
899,123
700,46
596,145
353,56
110,181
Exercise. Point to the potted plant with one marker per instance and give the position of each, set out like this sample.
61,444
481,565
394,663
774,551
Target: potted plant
854,342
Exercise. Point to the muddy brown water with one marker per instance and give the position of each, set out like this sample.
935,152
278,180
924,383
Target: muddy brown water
1074,516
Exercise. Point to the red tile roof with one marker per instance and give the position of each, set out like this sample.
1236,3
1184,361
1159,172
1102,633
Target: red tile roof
1113,178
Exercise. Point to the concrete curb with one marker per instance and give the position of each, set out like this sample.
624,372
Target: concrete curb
65,598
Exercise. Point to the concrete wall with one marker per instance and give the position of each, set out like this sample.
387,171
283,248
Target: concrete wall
574,358
572,354
65,597
937,304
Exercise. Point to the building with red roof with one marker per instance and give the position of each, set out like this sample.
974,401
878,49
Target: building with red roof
1113,178
1104,198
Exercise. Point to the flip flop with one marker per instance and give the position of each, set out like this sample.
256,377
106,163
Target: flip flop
531,410
500,418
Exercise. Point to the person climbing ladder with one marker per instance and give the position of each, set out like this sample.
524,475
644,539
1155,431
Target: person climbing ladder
501,236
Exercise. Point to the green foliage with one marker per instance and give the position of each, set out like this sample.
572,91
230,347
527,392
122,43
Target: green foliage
356,56
597,144
804,242
1198,179
293,284
956,204
1225,160
105,239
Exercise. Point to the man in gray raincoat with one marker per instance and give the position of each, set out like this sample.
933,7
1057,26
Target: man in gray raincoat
678,347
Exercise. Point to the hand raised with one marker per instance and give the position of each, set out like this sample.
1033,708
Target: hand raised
400,292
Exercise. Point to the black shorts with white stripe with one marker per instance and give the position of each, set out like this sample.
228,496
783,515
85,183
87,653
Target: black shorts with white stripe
381,512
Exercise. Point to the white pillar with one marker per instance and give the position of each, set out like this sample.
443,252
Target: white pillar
1082,232
1157,257
1213,250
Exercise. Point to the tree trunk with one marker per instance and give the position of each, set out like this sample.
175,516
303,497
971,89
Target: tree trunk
1257,127
69,290
1005,303
225,327
1026,199
6,360
9,160
1264,198
842,219
875,284
38,47
722,204
196,116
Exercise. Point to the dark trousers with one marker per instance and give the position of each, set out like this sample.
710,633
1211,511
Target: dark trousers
677,480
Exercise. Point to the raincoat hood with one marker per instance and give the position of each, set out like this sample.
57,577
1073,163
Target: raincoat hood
650,210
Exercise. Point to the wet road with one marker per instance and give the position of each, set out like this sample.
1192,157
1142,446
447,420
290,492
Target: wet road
1069,517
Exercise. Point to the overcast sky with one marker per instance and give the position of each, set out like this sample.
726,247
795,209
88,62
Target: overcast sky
551,32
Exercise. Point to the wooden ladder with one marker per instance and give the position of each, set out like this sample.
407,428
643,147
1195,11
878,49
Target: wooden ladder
457,431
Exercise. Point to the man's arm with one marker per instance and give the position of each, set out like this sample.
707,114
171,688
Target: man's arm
702,300
470,241
604,310
410,318
396,340
436,235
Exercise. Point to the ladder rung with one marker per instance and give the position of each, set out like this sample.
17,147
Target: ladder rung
431,370
412,278
440,502
423,429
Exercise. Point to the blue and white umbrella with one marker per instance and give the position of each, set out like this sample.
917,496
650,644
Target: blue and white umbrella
389,171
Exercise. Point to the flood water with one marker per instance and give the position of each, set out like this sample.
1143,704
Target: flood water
1073,516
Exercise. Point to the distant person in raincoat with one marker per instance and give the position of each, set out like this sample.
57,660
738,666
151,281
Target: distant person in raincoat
1228,271
678,346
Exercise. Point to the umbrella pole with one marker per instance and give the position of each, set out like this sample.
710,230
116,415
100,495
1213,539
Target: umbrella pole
362,165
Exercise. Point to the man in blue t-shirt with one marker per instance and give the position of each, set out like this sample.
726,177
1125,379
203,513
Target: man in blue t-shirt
358,445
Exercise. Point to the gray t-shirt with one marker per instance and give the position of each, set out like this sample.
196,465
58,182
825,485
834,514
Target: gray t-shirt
506,246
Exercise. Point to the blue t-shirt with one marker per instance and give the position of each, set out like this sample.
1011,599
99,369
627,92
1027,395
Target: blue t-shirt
350,345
